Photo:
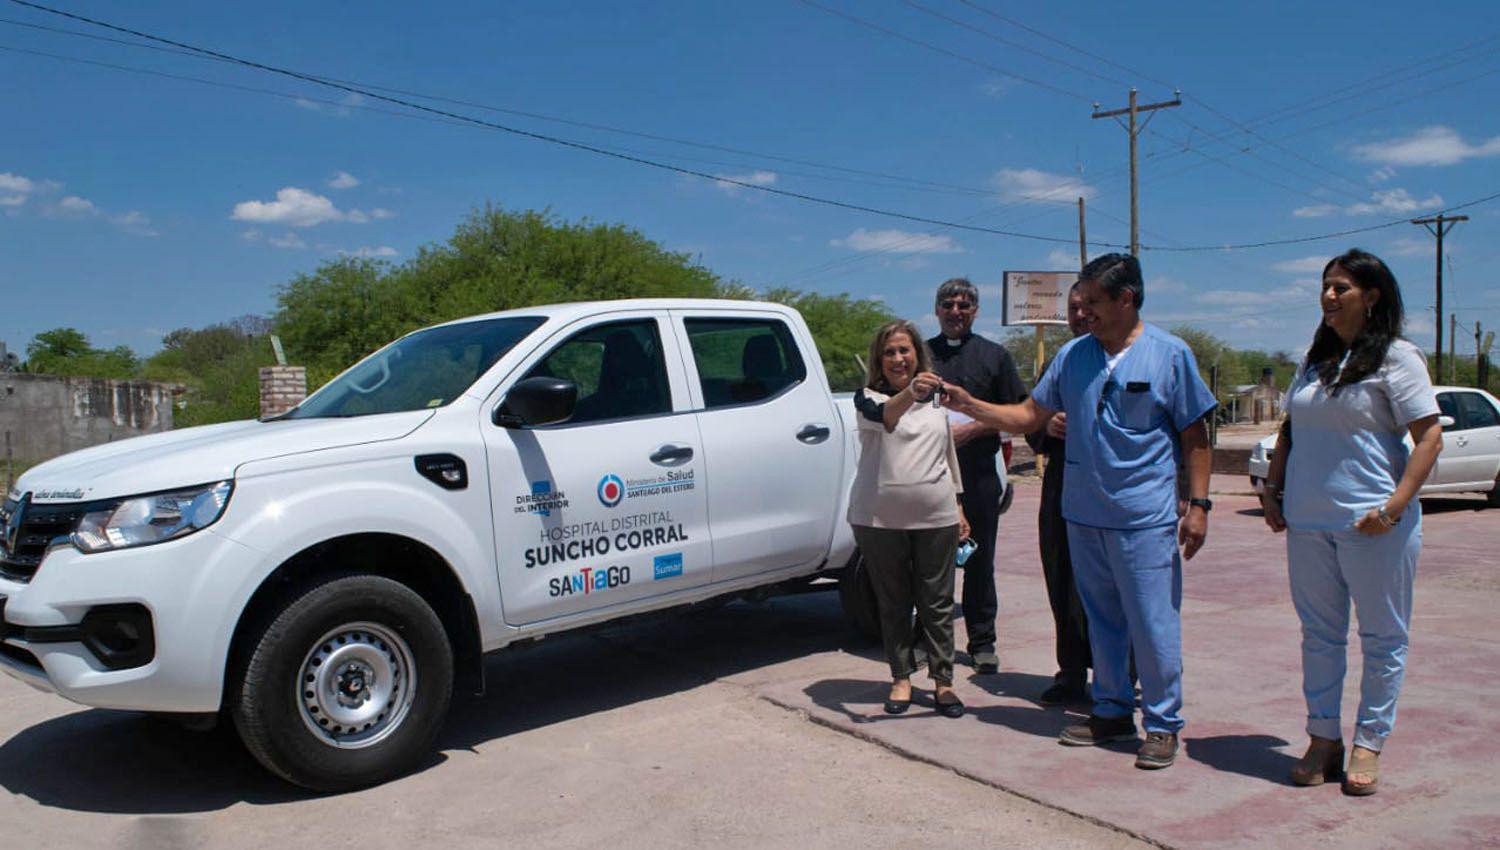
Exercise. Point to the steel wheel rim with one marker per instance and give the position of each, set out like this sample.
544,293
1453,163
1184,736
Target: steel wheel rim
356,685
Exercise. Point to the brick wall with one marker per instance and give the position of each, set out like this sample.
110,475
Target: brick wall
281,389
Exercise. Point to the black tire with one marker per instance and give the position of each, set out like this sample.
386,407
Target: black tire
857,598
1492,498
1006,498
347,685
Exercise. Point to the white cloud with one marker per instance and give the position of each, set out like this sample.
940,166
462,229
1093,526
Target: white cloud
16,183
343,108
342,180
293,206
1030,184
288,240
1060,260
381,213
1316,211
754,178
251,235
1407,246
73,205
1437,145
383,251
1382,174
357,216
997,87
898,242
1306,264
1165,285
1395,201
1382,202
12,200
135,223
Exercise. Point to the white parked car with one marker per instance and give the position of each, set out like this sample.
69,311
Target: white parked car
1470,460
326,579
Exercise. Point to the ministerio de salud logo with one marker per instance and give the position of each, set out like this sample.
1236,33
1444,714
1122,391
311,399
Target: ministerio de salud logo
611,490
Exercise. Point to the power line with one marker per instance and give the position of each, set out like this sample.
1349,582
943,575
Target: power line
953,188
544,137
1015,45
1296,241
855,19
471,121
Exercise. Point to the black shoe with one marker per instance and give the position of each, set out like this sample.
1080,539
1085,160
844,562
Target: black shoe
953,709
897,706
1098,730
1064,693
985,661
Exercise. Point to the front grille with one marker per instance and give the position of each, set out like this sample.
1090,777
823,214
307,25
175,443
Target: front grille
26,529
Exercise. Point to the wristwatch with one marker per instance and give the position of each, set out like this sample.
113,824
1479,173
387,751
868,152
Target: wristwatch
1206,504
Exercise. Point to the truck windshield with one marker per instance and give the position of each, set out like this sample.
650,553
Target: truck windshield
421,370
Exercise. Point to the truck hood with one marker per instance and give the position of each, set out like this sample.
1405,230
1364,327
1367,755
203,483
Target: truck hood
200,455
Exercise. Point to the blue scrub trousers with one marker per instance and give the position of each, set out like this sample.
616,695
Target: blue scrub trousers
1130,581
1328,570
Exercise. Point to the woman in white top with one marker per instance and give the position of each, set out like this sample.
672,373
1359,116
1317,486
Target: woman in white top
1344,484
905,512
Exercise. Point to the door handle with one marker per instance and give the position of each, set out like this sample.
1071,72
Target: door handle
670,455
813,433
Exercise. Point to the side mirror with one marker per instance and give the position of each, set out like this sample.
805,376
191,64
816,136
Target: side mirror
1446,422
537,401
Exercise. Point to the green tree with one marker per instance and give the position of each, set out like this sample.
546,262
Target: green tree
500,260
220,366
66,351
1021,342
841,326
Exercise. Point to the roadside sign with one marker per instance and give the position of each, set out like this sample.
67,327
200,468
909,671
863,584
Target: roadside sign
1036,298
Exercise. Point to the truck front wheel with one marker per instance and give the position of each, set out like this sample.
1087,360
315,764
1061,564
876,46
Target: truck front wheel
347,685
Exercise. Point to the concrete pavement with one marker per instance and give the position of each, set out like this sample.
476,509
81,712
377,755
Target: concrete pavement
1243,702
694,729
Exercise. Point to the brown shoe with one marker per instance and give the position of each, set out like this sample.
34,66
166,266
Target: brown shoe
1098,730
1323,761
1159,751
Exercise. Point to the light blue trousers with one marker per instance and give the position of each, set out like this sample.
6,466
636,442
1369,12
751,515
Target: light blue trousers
1328,570
1130,582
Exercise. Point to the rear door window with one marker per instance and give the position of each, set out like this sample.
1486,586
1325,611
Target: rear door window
1477,411
744,361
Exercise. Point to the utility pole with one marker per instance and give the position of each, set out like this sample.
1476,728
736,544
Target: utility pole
1444,223
1452,349
1135,130
1083,242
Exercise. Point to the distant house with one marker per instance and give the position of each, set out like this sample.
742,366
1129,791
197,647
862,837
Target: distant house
1258,402
43,416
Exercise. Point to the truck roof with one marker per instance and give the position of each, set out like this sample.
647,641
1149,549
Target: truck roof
579,309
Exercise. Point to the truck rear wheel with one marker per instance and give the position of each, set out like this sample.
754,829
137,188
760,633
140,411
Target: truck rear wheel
347,685
857,598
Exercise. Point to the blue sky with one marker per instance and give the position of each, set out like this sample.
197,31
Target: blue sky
134,203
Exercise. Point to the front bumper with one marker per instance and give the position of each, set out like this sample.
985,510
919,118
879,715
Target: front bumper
189,591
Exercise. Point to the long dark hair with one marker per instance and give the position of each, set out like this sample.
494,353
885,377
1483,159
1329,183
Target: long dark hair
1382,326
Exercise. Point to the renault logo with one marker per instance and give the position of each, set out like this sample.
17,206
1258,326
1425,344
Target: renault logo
12,522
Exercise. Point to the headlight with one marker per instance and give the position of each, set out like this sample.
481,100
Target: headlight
142,520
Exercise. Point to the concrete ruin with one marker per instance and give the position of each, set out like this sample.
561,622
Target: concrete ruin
43,416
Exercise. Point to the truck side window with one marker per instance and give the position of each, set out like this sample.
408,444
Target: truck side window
618,367
741,361
1477,411
1448,406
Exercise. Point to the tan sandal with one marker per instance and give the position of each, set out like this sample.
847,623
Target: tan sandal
1321,763
1362,761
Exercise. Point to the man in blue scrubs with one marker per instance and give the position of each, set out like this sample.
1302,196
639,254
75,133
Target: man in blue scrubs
1135,405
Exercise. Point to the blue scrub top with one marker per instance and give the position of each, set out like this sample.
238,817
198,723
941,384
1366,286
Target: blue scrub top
1122,446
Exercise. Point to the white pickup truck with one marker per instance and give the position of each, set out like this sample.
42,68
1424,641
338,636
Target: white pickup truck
326,578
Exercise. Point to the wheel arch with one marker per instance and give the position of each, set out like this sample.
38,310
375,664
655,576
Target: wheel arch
393,556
